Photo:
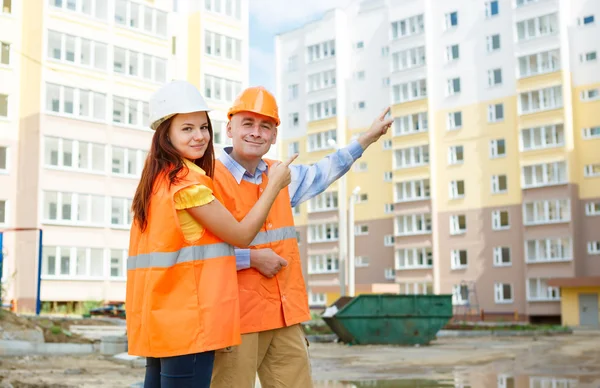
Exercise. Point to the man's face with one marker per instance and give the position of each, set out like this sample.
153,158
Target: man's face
252,134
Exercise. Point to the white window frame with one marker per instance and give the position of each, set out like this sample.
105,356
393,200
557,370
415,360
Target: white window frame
322,264
410,58
499,256
553,168
73,261
548,211
591,133
455,224
76,148
125,215
551,24
361,230
413,224
361,261
389,273
489,41
495,148
78,51
76,198
4,223
9,53
6,161
489,9
388,208
589,57
322,110
293,148
556,133
497,220
581,21
321,231
457,189
590,95
562,245
411,157
324,202
591,170
413,25
140,158
592,208
452,53
387,144
539,63
496,184
411,124
320,141
456,259
293,92
79,9
458,293
292,63
413,190
593,248
454,152
453,86
495,113
494,77
141,114
317,299
452,119
360,166
545,292
413,258
448,20
388,240
388,176
77,93
409,91
320,51
499,293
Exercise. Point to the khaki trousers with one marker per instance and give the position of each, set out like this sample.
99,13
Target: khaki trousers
279,356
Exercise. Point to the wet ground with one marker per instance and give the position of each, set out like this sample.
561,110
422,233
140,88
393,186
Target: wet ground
565,361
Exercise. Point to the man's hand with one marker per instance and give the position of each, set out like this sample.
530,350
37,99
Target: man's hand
267,262
379,127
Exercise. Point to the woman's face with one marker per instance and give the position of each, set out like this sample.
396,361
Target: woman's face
189,134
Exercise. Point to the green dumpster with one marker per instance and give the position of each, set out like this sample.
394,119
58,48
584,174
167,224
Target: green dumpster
389,318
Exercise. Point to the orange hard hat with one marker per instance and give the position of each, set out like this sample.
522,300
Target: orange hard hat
256,99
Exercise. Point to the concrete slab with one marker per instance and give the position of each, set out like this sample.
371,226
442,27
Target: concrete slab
26,348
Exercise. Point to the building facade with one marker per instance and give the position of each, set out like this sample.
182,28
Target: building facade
74,133
488,184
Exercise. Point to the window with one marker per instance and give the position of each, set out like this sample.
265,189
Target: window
506,381
318,299
502,257
538,290
3,105
500,220
542,137
546,211
361,230
293,148
359,45
139,65
415,288
410,26
385,82
221,89
361,261
140,17
548,250
537,27
74,262
322,110
546,174
73,154
360,75
540,63
326,201
408,59
389,273
591,133
495,113
454,120
387,176
408,191
361,198
591,170
294,119
323,232
497,148
118,263
361,167
292,92
388,208
540,100
499,184
231,8
409,124
453,86
320,51
387,144
3,158
590,94
590,56
6,7
320,141
460,294
593,247
98,11
414,258
321,80
503,293
126,161
120,214
491,8
410,91
592,208
61,99
451,20
359,105
127,111
411,157
494,77
3,217
318,264
586,20
457,189
73,209
452,53
4,53
388,240
458,224
293,63
385,51
458,259
456,155
413,224
492,43
520,3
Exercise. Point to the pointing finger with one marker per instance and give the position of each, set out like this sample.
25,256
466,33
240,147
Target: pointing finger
384,113
290,160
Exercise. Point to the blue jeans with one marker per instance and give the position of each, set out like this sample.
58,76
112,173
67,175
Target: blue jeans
188,371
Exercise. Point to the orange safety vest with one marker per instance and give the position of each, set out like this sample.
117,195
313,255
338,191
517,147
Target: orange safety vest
182,297
281,301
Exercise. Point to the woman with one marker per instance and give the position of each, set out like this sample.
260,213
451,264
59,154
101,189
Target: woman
182,297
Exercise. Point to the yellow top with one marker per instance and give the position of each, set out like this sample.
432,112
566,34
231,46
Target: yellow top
190,197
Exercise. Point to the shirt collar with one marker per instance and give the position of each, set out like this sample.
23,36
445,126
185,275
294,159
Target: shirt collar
236,169
192,166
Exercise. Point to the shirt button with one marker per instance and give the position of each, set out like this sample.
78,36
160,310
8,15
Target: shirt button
270,226
261,189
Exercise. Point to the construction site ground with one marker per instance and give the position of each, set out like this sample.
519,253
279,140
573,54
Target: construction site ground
569,360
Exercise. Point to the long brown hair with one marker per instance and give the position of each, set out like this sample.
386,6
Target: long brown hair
163,157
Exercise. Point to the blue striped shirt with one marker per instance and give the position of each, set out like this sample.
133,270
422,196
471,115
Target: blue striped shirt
308,181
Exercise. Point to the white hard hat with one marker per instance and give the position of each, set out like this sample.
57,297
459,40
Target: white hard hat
173,98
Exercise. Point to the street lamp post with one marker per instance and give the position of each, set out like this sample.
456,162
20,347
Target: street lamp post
351,258
343,233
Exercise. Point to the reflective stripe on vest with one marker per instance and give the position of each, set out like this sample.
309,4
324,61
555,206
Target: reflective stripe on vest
169,259
274,235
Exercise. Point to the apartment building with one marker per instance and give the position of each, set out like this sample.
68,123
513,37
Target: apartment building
75,134
488,184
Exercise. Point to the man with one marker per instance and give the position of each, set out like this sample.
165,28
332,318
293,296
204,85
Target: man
273,299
